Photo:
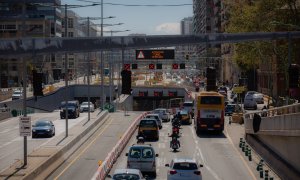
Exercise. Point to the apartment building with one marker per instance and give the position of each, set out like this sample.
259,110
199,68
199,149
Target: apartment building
39,19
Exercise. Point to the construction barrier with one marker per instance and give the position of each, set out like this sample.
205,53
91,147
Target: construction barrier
107,164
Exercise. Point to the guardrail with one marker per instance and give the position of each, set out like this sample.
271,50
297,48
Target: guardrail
289,109
107,164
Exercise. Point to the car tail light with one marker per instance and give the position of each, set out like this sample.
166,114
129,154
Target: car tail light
153,164
128,164
197,172
172,172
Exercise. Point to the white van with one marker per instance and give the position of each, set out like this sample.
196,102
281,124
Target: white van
142,157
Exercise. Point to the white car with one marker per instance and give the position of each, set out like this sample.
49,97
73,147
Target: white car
184,168
163,114
17,94
134,174
85,107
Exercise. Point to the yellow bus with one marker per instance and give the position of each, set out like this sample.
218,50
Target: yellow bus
209,112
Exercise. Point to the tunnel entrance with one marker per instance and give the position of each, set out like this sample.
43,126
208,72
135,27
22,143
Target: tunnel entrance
151,103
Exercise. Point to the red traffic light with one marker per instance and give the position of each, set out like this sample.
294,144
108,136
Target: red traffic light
127,66
175,66
151,66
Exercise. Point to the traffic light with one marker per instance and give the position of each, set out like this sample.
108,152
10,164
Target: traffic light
187,57
126,82
134,66
151,66
158,66
293,76
182,65
211,79
37,80
174,66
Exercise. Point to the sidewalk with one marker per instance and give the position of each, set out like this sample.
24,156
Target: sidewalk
236,131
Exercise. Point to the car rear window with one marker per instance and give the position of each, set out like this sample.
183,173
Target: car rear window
185,166
150,116
126,176
148,123
135,152
211,100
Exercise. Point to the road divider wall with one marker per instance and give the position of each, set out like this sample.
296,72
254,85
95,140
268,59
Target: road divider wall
107,164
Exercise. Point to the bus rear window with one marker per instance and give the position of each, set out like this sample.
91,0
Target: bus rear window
211,100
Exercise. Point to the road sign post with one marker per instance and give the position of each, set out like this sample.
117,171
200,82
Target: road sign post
25,126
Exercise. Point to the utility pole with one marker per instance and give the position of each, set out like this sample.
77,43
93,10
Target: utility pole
101,62
66,71
24,80
89,71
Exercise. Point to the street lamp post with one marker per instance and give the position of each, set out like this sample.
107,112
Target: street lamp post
111,68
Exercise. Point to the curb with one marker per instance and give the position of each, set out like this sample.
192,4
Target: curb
107,164
41,166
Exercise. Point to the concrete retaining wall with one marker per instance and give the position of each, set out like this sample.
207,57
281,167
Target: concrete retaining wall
278,142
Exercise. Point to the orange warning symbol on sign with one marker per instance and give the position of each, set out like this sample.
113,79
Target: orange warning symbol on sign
141,55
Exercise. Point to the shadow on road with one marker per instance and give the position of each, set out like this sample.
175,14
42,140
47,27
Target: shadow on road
211,134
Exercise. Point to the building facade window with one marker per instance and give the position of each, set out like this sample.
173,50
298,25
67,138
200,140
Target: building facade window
70,23
70,34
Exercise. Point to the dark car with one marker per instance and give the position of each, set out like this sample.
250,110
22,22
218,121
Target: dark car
43,128
229,109
72,107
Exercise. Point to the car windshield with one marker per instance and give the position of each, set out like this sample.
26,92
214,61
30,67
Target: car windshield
42,123
159,111
86,103
188,104
17,92
126,176
185,166
229,107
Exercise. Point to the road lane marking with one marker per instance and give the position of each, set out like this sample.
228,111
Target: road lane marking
83,151
213,173
241,157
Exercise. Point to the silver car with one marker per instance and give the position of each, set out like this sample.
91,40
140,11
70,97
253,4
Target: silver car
120,174
142,157
249,102
259,98
163,114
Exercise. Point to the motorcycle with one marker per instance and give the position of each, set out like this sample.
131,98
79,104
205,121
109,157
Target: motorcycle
174,144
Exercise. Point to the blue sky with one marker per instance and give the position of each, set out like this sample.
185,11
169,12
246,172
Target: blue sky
146,20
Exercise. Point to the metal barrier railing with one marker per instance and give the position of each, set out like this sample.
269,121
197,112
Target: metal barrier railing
289,109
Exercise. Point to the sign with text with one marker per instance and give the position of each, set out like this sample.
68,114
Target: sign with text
25,126
155,54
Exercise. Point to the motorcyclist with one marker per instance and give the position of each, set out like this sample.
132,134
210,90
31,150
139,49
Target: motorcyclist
264,111
140,140
174,140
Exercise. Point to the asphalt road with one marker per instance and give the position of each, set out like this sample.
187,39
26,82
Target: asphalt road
11,143
215,151
83,164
